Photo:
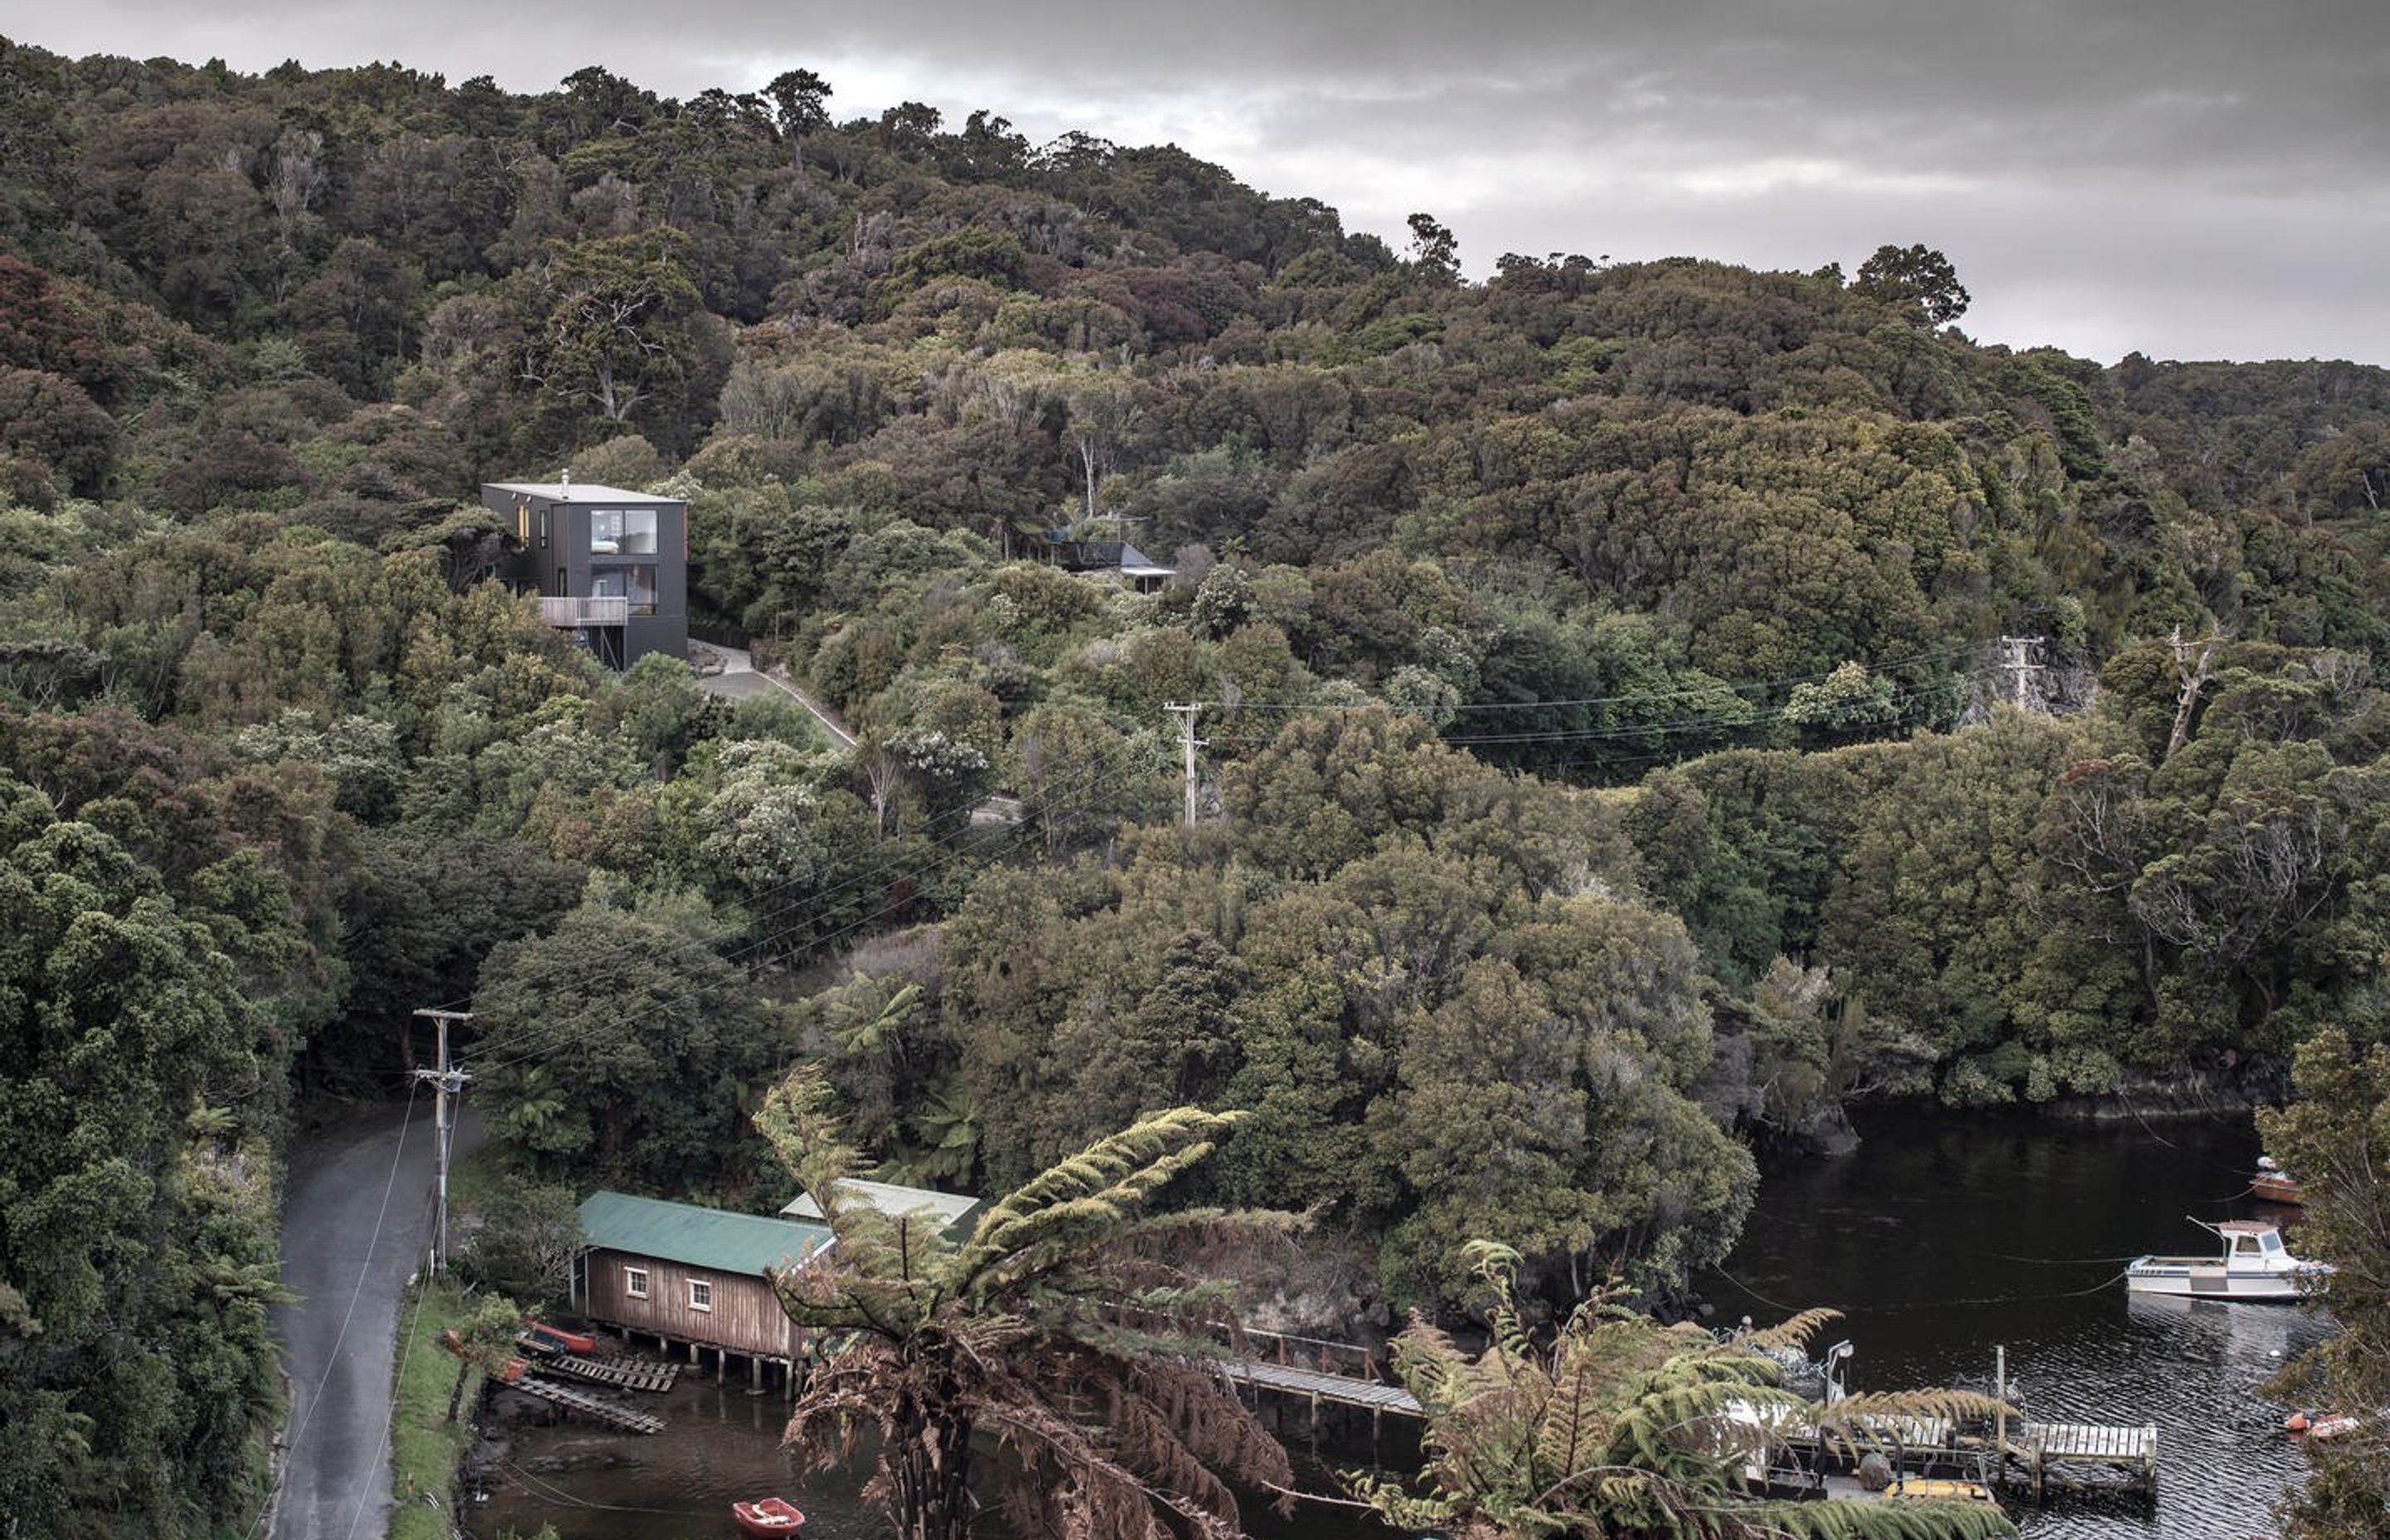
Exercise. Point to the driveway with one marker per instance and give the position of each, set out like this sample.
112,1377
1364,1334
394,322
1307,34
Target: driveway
740,679
357,1219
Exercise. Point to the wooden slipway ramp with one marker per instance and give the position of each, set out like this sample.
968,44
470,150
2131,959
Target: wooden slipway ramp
574,1399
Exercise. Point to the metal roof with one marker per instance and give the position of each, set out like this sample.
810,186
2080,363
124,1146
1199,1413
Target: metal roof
583,492
950,1208
716,1238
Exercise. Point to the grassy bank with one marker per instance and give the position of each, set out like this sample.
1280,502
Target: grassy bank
425,1446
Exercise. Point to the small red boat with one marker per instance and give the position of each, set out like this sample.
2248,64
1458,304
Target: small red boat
2273,1185
540,1337
769,1516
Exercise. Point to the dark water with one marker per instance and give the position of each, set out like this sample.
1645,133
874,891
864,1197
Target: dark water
1941,1239
721,1445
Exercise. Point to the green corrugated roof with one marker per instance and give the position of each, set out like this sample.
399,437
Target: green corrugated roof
725,1242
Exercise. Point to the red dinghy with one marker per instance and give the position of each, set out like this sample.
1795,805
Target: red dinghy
767,1515
544,1337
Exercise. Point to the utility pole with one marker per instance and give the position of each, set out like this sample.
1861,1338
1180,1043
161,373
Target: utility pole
2021,652
1186,715
446,1083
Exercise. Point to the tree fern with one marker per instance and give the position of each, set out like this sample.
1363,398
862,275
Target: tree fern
1070,1326
1620,1427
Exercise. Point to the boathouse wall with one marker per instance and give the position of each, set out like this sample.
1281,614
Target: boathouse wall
740,1312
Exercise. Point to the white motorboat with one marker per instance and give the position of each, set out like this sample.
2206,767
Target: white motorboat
2255,1266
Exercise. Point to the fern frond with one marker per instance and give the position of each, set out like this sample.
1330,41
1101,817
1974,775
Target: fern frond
1845,1519
1091,1192
1794,1331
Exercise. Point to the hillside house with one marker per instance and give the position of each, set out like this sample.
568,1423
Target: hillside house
609,566
1113,559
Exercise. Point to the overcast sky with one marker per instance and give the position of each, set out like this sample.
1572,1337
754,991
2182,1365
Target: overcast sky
2191,178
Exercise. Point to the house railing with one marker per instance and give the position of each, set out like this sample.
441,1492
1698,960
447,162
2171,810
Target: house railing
578,613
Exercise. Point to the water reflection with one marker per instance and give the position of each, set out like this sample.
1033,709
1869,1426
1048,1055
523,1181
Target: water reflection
720,1446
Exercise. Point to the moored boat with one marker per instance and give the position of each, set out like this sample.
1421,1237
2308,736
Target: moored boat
2255,1266
769,1516
2273,1185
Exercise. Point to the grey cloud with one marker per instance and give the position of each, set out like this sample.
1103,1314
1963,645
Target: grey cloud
2206,170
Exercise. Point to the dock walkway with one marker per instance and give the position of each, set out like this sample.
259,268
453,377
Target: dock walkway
1344,1390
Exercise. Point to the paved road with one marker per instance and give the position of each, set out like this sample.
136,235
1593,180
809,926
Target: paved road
740,679
356,1217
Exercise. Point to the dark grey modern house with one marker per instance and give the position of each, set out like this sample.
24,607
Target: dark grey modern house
609,566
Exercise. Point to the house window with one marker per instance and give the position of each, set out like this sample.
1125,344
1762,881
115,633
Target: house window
635,583
542,527
700,1295
634,1282
622,531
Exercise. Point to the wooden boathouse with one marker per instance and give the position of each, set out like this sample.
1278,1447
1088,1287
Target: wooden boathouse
693,1277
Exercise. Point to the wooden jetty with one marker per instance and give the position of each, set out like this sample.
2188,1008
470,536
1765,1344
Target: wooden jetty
1343,1389
2032,1455
622,1374
2038,1446
572,1398
1320,1373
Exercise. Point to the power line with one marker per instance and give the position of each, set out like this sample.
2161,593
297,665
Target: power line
962,818
815,901
365,1268
1637,730
535,1046
389,1409
1634,698
1726,722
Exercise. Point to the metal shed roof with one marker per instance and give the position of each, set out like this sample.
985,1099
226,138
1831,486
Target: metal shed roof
725,1242
950,1209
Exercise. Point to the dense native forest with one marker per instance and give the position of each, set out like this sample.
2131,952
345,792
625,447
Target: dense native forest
1611,751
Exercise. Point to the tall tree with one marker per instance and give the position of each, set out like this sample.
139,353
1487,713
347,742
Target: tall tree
1914,273
613,326
1068,1326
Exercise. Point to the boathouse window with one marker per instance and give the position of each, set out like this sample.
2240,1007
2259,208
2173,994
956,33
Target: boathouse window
700,1295
634,1282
